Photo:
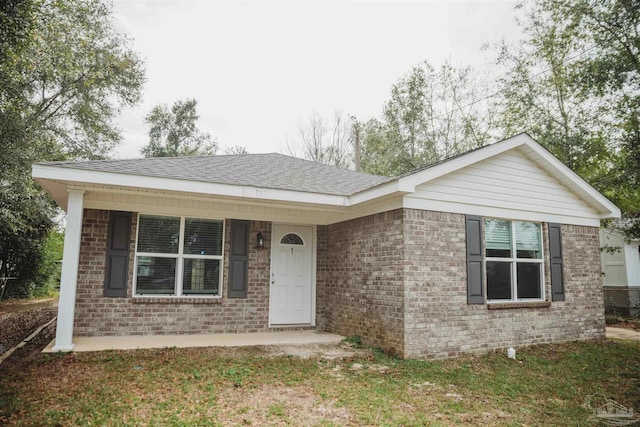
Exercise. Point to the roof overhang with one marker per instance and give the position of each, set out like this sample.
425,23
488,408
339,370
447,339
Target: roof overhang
56,180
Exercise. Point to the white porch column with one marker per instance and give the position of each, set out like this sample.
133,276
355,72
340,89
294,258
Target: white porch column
69,276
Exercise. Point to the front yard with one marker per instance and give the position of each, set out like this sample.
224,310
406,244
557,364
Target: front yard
546,385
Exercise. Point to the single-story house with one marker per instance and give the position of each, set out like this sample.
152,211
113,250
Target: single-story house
620,269
496,247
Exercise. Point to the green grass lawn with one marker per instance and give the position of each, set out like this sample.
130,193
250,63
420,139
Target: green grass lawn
546,385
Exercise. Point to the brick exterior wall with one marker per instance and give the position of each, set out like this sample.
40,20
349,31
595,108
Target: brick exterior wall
364,287
439,322
97,315
322,239
397,279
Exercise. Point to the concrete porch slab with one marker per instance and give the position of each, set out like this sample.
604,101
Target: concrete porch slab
132,342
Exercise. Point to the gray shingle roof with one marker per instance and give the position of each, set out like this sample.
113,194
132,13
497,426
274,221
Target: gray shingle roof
274,171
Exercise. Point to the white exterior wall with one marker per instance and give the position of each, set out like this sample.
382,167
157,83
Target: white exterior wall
632,261
613,264
509,185
621,268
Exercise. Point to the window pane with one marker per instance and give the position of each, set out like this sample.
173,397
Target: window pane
291,239
202,237
201,276
156,275
158,234
528,280
528,243
497,234
499,253
498,280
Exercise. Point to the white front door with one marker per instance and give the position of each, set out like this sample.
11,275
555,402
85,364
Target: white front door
291,293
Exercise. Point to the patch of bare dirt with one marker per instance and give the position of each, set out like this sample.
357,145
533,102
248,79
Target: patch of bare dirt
323,351
21,305
279,405
19,318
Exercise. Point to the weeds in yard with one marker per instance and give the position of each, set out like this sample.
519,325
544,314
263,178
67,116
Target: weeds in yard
547,385
355,341
237,375
276,410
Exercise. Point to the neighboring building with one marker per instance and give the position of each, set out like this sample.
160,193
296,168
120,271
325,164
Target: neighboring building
620,271
496,247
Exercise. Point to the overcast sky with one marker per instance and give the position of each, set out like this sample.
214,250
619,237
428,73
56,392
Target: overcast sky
257,69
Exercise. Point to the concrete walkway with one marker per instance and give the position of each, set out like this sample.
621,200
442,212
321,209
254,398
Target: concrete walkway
622,334
214,340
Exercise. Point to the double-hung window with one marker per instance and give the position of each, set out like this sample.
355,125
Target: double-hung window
514,261
178,256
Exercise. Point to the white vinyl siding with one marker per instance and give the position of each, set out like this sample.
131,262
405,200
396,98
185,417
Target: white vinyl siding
621,263
507,182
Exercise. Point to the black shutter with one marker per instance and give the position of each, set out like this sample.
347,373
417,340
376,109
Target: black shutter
119,236
475,290
555,254
238,259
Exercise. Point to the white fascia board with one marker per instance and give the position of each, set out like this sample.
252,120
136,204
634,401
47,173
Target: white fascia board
156,183
572,180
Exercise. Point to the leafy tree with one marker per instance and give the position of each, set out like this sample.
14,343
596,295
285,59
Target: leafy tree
543,95
173,132
64,75
324,141
432,115
574,83
236,149
610,73
25,221
51,265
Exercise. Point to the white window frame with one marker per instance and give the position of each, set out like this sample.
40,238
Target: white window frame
514,260
179,257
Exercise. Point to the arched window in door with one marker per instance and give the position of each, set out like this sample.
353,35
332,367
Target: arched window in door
291,239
